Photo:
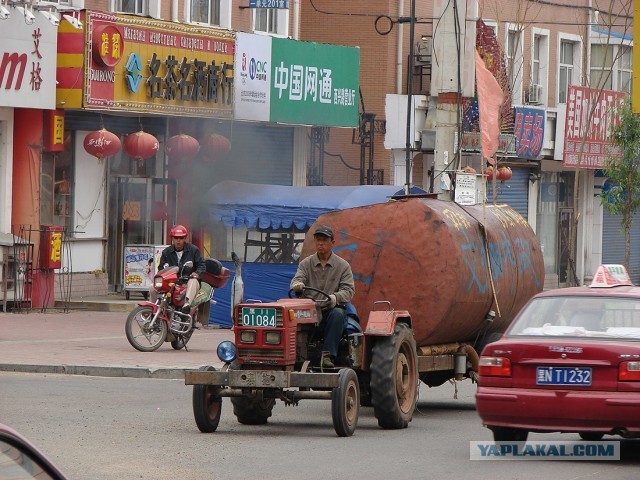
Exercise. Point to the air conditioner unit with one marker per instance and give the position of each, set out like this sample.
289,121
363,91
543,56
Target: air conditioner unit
424,49
535,94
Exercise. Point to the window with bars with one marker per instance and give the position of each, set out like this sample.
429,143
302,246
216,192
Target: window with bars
206,12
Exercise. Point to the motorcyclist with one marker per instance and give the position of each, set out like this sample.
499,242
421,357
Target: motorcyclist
177,254
330,273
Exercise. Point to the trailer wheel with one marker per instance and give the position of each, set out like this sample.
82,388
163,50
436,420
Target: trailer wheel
207,405
345,403
394,378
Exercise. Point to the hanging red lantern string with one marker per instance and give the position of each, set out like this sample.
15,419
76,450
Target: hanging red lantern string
215,145
181,147
141,145
102,143
504,174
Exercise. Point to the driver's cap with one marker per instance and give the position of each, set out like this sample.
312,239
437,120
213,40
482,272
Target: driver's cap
324,230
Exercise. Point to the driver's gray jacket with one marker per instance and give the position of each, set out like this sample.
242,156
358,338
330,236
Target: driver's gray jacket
335,277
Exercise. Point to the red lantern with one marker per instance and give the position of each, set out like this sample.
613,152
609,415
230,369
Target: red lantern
141,145
102,143
181,147
504,174
489,173
215,145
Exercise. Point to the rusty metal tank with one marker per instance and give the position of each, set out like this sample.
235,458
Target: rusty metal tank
430,257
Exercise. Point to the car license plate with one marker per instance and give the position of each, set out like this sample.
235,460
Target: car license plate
563,376
258,317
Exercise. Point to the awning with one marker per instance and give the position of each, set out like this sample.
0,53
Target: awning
280,207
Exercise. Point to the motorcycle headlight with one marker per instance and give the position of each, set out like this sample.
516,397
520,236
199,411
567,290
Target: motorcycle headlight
226,351
157,282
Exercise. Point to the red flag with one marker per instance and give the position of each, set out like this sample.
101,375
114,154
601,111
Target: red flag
489,101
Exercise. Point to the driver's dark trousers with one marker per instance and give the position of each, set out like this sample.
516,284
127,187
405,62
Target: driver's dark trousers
333,324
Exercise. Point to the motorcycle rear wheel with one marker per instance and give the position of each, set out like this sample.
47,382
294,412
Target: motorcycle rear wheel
140,334
182,340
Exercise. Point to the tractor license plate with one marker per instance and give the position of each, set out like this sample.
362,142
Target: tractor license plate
258,317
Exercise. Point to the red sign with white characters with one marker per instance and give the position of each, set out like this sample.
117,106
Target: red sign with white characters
591,114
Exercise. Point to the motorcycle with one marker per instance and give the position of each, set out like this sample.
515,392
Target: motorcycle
151,324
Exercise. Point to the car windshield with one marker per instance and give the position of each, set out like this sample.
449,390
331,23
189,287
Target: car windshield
579,316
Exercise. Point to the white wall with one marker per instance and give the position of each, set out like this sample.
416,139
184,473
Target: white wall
6,168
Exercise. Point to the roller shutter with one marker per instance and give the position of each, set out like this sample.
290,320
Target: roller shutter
613,244
514,192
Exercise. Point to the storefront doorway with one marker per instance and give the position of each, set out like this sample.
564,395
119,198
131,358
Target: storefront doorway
140,210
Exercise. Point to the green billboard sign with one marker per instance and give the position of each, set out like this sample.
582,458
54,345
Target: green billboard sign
314,83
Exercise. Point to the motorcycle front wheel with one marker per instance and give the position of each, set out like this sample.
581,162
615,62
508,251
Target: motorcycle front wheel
141,334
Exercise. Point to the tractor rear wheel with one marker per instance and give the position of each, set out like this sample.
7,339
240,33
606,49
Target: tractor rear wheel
394,378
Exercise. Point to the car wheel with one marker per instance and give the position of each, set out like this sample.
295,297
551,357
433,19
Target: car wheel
506,434
591,436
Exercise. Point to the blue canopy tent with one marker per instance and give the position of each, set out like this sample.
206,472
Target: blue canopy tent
276,208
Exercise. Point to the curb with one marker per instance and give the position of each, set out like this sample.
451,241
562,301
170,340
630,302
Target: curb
165,373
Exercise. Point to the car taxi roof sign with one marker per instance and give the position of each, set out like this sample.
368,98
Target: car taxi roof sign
611,276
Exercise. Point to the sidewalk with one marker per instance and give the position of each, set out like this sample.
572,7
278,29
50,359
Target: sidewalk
82,342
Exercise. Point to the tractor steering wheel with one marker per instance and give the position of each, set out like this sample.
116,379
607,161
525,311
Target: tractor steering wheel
321,292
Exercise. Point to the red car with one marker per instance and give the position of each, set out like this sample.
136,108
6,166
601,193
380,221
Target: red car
569,362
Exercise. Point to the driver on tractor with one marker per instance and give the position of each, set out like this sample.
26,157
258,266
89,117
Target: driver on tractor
326,271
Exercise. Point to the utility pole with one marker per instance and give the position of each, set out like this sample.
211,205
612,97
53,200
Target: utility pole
409,143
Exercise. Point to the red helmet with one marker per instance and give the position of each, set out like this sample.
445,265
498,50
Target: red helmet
178,231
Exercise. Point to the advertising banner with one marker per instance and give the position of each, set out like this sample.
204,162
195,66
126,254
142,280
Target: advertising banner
302,83
529,131
143,65
253,77
27,61
591,114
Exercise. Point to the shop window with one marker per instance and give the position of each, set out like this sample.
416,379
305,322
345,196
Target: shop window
56,188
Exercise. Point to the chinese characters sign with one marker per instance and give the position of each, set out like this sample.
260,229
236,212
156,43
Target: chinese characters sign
27,62
158,66
587,140
268,3
529,132
287,81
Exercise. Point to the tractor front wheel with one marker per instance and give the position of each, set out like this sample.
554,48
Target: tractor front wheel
345,403
207,405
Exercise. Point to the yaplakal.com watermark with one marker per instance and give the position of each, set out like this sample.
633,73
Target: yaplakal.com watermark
558,450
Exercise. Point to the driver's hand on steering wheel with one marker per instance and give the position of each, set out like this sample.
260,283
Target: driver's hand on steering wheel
332,301
297,287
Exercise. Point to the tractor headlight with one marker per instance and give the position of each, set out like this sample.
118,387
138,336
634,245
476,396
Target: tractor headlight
272,338
248,336
226,351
